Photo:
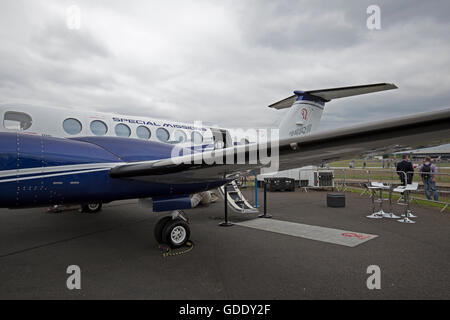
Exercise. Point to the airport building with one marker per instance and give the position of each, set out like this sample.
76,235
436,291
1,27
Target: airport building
439,153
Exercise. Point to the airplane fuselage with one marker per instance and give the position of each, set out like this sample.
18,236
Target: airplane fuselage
38,171
70,123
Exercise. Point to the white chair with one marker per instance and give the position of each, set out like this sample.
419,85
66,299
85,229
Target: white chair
374,187
381,214
413,186
389,188
405,190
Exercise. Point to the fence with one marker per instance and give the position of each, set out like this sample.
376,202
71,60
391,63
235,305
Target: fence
349,177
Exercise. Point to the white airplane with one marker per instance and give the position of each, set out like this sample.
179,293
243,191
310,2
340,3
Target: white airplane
50,156
303,118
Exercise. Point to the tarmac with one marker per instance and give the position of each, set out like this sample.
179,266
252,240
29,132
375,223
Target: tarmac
120,259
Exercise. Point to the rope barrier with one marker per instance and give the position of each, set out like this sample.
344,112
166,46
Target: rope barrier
169,252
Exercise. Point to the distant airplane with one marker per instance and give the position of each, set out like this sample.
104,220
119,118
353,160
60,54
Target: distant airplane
54,157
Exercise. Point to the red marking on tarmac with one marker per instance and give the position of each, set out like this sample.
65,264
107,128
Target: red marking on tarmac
355,235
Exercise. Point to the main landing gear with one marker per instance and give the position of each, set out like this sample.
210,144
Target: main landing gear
173,230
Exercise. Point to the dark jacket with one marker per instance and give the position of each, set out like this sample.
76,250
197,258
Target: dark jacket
405,166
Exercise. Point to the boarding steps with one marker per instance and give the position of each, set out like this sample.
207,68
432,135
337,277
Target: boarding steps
236,200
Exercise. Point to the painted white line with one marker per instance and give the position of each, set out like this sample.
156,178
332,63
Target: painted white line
335,236
52,175
42,170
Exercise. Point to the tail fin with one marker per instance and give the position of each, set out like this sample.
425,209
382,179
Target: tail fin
306,107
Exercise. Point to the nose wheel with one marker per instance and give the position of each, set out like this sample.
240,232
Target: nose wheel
173,230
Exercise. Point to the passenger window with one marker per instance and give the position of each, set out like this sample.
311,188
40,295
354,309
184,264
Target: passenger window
72,126
143,132
196,137
162,134
17,120
179,136
99,128
122,130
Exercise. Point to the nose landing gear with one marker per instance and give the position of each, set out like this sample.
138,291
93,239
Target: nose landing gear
173,230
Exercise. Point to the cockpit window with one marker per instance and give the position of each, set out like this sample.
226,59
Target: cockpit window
17,120
72,126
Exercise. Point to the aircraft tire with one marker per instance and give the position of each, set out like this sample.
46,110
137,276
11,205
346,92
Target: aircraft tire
176,233
158,231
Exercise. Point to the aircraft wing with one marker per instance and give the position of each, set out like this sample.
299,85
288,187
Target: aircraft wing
398,134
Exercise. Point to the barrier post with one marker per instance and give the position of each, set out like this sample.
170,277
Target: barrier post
226,223
344,186
265,214
256,191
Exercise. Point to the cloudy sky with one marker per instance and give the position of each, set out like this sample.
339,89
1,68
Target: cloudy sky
224,61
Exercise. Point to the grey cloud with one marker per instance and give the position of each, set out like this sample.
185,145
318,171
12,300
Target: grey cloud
289,25
321,24
146,58
56,42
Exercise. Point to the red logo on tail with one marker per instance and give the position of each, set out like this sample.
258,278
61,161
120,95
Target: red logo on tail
304,113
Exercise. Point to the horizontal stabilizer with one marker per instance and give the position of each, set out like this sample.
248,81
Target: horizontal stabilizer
285,103
334,93
329,94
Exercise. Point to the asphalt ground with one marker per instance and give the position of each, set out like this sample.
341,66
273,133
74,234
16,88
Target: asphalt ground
120,259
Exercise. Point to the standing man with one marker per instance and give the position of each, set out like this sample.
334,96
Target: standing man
403,167
428,170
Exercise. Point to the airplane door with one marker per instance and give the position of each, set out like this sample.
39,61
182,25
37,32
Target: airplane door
222,138
30,154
